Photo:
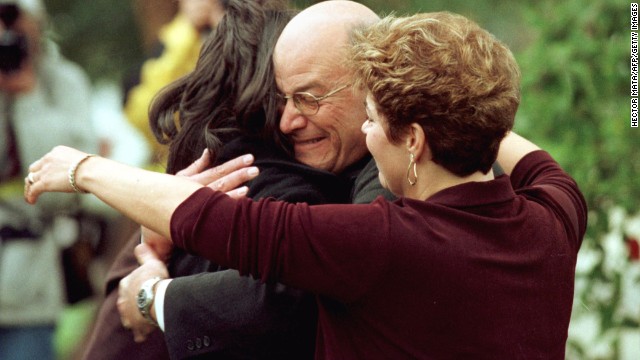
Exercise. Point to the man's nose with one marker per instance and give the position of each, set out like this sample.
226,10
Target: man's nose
291,119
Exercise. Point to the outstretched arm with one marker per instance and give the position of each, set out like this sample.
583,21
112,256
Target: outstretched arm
148,198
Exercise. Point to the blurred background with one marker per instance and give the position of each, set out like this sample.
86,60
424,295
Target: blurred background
574,56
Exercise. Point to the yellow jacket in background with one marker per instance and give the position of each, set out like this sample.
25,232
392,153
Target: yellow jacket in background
182,43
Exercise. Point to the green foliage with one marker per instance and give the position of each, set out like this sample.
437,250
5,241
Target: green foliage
501,17
575,103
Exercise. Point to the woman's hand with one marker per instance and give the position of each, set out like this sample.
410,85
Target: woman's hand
227,177
51,173
160,245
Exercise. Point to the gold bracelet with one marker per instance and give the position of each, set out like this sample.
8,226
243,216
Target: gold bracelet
72,174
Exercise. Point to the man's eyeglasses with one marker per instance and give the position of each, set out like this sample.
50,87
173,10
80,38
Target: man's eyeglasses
306,103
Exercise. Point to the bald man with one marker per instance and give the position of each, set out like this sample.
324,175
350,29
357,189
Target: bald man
214,314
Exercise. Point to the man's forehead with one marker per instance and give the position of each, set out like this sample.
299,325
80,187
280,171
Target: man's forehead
290,80
305,73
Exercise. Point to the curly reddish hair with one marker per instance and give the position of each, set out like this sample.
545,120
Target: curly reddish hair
444,72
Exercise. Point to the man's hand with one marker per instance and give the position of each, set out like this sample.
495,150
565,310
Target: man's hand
227,177
161,246
150,267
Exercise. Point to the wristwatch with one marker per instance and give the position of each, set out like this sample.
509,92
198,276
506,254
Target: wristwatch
145,298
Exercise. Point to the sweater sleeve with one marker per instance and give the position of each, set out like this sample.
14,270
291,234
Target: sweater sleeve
540,177
310,247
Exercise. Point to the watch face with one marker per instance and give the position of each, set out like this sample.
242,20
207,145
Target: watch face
142,298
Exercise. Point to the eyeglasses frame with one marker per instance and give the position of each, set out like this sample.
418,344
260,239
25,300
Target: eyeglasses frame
317,99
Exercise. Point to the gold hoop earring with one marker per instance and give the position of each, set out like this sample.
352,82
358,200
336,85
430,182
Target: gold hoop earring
412,164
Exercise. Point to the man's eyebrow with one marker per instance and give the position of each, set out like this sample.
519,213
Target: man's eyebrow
312,85
308,87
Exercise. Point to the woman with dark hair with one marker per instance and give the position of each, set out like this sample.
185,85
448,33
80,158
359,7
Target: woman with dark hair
463,265
231,92
227,106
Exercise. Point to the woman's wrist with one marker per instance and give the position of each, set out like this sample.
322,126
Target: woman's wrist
73,170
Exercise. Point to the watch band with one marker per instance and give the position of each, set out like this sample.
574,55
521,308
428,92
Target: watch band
145,298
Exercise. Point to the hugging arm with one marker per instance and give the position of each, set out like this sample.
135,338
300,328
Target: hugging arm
512,149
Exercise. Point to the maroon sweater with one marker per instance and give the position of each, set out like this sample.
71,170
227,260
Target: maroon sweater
478,270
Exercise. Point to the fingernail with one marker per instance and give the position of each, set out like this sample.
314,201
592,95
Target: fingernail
247,159
253,171
242,191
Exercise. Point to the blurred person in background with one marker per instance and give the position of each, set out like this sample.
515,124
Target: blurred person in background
44,101
179,44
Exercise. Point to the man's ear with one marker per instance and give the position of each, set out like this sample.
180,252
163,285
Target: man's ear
416,141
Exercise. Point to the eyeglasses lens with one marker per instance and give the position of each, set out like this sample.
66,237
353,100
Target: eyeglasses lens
306,103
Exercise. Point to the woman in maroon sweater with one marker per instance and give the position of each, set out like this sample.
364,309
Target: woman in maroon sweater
462,265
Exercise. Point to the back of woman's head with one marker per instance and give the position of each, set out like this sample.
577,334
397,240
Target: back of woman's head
446,73
230,90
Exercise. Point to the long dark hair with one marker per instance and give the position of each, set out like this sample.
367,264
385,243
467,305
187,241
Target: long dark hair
231,91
